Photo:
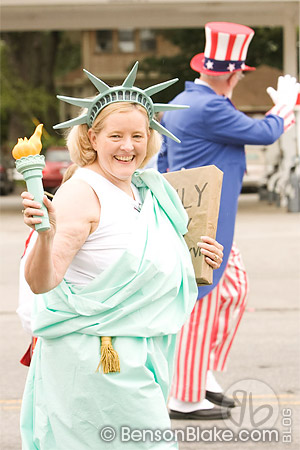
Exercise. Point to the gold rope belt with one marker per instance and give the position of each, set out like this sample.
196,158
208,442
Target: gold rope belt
109,360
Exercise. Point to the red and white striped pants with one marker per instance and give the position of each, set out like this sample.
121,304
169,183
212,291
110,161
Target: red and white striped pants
206,338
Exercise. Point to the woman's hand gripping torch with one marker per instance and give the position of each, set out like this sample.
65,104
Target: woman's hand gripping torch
30,164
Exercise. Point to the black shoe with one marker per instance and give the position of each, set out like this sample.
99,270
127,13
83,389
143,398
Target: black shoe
220,399
201,414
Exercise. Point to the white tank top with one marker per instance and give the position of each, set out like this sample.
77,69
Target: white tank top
106,244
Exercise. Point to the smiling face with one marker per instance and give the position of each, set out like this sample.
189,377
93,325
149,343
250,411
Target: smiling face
121,145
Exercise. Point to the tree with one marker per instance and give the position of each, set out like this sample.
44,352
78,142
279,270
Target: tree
266,47
27,81
30,61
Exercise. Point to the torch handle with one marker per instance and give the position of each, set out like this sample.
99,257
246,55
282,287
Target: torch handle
31,167
35,187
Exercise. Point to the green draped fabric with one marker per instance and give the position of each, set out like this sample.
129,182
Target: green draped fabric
142,301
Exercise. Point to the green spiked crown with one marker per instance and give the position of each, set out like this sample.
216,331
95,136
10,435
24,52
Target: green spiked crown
124,93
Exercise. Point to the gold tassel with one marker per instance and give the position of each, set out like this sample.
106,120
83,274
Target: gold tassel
109,357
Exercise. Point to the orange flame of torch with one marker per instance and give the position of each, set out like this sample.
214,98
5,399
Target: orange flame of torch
31,146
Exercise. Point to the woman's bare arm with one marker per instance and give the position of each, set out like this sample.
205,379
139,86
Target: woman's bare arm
73,215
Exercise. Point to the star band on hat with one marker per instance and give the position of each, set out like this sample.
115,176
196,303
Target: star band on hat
124,93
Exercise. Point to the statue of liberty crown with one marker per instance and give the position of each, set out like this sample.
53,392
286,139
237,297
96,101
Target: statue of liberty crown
124,93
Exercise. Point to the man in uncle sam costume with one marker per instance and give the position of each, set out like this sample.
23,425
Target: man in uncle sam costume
213,131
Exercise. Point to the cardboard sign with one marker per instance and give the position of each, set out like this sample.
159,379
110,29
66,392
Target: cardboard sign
199,190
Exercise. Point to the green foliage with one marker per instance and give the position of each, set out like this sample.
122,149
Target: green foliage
266,47
189,42
29,63
68,55
19,98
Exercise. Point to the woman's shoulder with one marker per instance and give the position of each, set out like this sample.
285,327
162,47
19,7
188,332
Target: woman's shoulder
75,190
76,203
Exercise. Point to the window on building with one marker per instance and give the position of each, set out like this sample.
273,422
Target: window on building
147,40
104,40
126,40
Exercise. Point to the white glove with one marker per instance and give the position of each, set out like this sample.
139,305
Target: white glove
287,91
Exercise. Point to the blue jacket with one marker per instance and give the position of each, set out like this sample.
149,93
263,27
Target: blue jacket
213,131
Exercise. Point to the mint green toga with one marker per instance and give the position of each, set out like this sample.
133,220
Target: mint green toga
142,301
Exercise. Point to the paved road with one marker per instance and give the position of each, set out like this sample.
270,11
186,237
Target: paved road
266,350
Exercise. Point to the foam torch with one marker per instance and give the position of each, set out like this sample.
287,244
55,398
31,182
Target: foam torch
30,164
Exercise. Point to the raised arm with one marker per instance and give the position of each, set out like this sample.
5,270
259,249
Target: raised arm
227,125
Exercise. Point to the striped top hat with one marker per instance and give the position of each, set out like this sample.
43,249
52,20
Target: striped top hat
225,49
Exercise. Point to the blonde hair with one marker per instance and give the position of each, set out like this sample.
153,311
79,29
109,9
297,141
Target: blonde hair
69,172
79,145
